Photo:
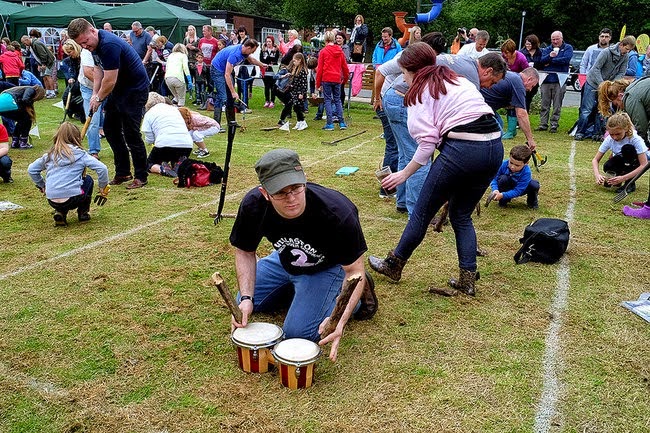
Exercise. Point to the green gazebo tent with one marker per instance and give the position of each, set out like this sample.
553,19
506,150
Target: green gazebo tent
56,14
6,10
172,21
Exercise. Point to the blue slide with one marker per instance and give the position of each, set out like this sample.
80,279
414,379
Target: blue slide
436,8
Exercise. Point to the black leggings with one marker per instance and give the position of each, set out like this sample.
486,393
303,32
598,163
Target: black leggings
624,162
269,88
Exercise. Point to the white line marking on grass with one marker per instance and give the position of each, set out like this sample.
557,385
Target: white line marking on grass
547,412
118,236
22,379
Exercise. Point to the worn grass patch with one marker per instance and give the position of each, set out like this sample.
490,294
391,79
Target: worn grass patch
113,325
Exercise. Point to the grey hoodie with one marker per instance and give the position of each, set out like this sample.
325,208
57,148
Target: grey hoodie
610,65
63,178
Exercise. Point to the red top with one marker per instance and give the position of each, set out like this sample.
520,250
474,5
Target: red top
209,49
4,137
12,63
332,67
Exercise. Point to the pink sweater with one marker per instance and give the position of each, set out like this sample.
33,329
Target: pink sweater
430,120
201,122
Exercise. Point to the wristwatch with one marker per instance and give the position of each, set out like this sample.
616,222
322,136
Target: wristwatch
246,297
97,99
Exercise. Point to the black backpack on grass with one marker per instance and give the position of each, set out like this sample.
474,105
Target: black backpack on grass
545,240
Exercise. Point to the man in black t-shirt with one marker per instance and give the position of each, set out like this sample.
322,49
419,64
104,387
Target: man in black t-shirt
120,78
318,243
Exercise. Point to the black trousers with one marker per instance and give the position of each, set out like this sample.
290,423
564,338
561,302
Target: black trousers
622,163
80,202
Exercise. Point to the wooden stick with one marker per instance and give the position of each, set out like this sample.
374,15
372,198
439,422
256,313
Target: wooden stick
332,143
227,296
84,129
224,215
341,303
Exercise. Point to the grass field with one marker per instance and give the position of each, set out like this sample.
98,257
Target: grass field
113,325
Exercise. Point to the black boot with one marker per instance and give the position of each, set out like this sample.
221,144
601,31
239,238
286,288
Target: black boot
369,302
24,143
391,266
465,282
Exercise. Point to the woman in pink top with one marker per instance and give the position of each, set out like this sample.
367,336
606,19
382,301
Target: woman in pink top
516,62
445,111
293,40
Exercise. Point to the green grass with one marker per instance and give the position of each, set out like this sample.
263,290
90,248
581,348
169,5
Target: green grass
130,335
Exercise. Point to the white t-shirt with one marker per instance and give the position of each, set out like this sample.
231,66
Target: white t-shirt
164,126
616,146
469,50
86,60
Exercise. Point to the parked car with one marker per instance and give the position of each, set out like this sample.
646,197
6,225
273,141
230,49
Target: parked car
574,70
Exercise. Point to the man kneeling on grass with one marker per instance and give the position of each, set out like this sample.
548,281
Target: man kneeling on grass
318,244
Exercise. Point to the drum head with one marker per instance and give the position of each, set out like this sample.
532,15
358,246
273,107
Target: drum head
257,334
296,351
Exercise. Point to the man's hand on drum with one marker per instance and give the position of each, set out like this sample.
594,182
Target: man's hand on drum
334,338
246,307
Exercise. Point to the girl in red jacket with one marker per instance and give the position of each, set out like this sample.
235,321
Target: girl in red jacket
331,73
12,64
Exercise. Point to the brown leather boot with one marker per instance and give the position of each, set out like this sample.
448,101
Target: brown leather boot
391,266
369,302
465,282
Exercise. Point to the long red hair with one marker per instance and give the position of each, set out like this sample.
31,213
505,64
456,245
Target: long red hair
420,59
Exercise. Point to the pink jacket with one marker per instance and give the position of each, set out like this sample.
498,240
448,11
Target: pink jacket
201,122
430,120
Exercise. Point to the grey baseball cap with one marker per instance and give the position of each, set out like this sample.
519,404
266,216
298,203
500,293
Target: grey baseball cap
278,169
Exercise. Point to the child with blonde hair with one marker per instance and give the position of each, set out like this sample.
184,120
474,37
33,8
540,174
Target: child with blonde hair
629,153
66,185
200,127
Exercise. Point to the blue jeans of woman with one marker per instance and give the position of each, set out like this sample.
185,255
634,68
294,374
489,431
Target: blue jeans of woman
460,175
93,129
310,298
332,96
397,117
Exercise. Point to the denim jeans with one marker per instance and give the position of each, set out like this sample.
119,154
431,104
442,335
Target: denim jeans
122,128
310,298
5,167
94,145
222,93
460,175
332,96
588,107
397,117
391,155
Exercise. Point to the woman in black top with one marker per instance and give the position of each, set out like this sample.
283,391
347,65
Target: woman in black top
269,56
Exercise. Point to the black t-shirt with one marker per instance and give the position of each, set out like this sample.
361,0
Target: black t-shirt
328,232
112,53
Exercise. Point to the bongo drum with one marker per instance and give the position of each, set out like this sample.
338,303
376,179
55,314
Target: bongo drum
296,358
253,343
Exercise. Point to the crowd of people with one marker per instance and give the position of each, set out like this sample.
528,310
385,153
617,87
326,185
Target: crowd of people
427,100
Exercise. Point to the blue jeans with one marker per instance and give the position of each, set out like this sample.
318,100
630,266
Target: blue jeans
93,128
460,175
5,167
310,298
391,154
222,94
332,97
588,107
397,117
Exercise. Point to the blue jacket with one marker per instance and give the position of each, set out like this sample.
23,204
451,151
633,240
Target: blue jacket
64,176
559,63
380,56
522,178
28,79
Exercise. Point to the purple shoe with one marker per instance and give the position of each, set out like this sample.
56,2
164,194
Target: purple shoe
643,213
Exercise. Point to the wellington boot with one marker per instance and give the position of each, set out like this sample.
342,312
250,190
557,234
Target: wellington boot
465,282
391,266
512,128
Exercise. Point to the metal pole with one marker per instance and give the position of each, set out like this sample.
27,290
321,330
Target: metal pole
521,33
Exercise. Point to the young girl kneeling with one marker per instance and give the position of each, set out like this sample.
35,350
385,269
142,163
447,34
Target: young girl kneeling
629,153
66,185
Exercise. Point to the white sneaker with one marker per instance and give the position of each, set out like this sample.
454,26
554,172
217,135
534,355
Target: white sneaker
285,127
297,125
303,125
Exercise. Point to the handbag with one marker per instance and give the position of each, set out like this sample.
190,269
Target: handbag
283,80
545,240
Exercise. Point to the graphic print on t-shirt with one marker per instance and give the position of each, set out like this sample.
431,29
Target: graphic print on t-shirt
305,255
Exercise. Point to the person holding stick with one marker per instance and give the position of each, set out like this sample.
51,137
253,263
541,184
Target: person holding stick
318,245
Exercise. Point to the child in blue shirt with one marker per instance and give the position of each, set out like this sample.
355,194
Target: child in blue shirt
67,186
515,179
